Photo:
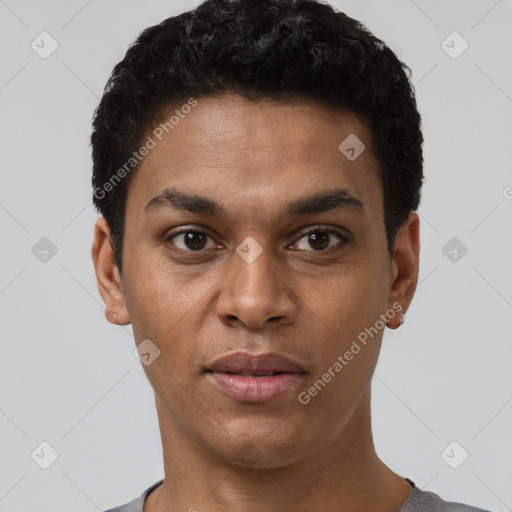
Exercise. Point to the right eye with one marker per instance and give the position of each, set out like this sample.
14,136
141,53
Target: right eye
190,240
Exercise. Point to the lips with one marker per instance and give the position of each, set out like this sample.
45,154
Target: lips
244,377
242,363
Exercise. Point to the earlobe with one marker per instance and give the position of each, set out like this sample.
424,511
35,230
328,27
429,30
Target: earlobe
108,278
405,265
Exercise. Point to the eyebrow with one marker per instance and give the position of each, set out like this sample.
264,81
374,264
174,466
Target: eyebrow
322,202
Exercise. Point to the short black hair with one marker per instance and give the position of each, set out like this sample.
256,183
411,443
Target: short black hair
283,50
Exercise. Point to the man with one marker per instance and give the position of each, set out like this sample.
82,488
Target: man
257,165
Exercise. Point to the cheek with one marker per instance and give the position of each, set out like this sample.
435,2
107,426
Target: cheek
169,310
156,293
345,312
343,374
348,300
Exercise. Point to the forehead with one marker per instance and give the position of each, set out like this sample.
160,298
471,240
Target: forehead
242,153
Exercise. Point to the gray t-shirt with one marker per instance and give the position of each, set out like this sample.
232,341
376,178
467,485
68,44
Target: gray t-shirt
418,501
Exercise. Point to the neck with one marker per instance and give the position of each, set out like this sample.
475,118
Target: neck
345,475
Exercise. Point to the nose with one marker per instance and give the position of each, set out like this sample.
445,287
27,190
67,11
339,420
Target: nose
255,293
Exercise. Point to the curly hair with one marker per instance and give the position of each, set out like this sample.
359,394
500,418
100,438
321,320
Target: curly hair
282,50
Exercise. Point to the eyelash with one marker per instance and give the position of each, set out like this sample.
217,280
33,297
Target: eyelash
343,238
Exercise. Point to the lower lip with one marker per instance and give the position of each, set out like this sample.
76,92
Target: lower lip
256,389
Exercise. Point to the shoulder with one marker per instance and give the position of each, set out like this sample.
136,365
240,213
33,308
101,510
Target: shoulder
426,501
137,504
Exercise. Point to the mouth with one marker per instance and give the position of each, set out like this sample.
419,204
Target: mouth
244,377
256,373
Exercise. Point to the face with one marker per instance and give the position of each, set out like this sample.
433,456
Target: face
249,232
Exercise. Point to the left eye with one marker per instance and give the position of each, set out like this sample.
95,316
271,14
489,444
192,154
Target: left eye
320,239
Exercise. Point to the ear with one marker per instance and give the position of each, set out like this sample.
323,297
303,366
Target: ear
108,278
404,267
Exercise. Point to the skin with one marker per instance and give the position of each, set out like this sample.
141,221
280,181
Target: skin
294,299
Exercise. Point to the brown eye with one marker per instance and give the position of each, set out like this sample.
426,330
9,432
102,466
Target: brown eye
320,240
190,240
194,240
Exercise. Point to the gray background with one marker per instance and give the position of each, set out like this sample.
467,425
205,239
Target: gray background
68,377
